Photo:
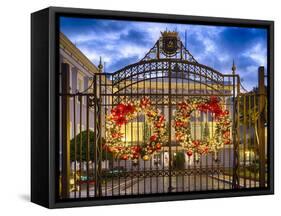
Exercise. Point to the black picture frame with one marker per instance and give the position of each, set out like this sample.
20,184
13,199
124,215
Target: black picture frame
44,109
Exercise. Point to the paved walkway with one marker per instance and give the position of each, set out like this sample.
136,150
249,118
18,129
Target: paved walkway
135,186
244,183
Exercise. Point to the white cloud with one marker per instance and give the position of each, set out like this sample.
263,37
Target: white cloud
112,48
129,50
257,53
206,49
94,55
224,58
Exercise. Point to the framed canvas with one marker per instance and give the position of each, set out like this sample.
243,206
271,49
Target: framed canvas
139,107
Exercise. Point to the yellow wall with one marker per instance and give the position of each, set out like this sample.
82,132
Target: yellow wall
133,132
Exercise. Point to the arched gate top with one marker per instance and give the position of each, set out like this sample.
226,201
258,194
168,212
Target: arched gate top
168,53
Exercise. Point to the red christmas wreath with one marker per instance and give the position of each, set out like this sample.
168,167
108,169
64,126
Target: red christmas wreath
182,126
123,113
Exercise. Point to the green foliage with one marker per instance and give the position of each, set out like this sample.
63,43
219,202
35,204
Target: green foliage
179,160
254,168
81,145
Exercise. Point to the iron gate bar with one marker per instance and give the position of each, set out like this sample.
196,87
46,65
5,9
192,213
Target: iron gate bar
144,182
80,165
200,176
138,143
96,125
75,145
177,101
244,139
170,133
223,153
234,133
163,153
249,131
261,122
156,107
88,145
256,142
99,149
150,87
237,169
132,190
176,70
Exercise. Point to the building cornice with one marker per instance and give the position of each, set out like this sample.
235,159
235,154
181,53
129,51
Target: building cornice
72,50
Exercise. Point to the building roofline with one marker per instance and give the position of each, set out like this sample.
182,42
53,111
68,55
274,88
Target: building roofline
66,44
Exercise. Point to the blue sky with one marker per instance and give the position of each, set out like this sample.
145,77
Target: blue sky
120,43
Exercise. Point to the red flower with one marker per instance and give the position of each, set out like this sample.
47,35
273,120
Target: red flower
122,109
186,114
214,99
145,102
196,143
124,157
203,107
158,146
136,149
135,156
203,150
227,142
158,125
129,108
150,150
121,120
153,137
109,148
118,110
179,123
206,150
179,136
189,153
117,135
226,123
213,106
226,134
216,109
161,119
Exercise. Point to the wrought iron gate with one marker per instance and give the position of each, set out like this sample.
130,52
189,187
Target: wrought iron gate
166,78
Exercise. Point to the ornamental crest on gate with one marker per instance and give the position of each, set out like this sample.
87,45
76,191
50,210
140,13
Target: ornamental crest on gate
169,42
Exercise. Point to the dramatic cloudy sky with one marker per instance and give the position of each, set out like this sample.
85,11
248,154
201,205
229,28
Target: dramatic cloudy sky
124,42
